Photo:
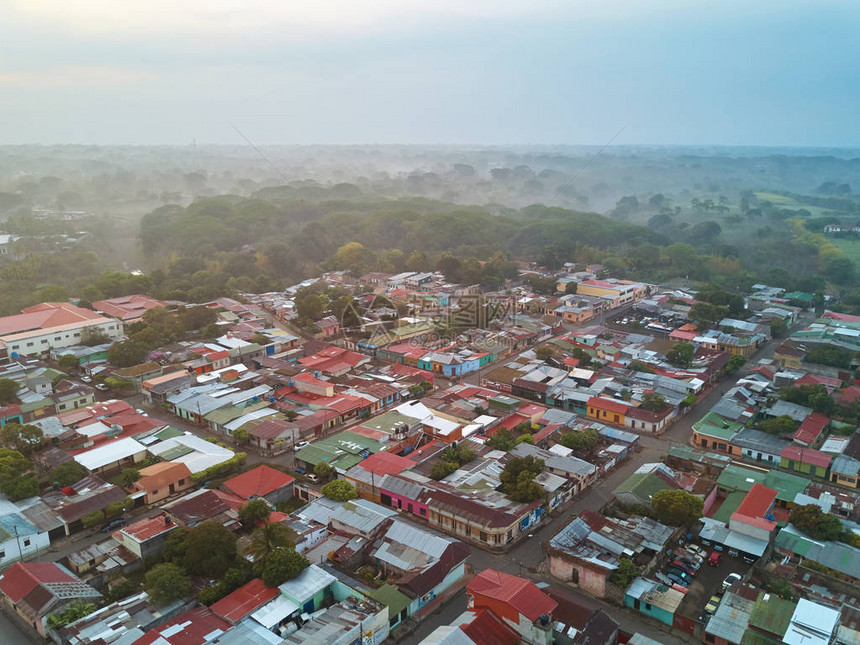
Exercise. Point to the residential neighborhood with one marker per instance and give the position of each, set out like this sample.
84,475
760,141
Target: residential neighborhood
585,467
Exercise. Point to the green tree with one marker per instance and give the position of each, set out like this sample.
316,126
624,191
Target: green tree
210,549
677,507
681,355
16,479
526,438
166,582
127,353
266,539
323,470
778,328
253,513
625,573
70,614
502,439
25,438
68,362
735,363
176,547
128,476
517,479
92,336
441,469
282,564
580,439
8,390
241,435
654,402
779,425
93,519
460,454
816,523
339,490
68,473
544,352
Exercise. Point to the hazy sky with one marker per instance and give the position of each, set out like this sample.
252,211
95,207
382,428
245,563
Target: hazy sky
756,72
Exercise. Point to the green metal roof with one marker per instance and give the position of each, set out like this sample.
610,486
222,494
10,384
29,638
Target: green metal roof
389,596
713,425
388,421
690,454
752,637
772,614
168,433
642,485
786,485
224,415
739,478
729,506
343,450
175,453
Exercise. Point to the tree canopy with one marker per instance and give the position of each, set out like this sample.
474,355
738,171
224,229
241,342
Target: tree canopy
282,564
339,490
816,523
167,582
210,549
677,507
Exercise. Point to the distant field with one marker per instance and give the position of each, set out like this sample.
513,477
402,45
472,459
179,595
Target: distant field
775,199
850,247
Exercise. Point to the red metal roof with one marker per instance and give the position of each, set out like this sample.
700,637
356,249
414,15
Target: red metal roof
486,628
149,528
194,627
758,501
258,482
248,598
386,463
806,456
811,428
522,595
22,577
608,404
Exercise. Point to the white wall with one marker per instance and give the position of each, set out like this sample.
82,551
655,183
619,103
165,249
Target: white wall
37,542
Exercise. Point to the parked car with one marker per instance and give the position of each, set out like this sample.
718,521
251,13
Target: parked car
731,579
300,444
683,566
749,559
87,379
686,557
697,550
683,575
312,477
101,387
715,558
678,580
712,605
113,526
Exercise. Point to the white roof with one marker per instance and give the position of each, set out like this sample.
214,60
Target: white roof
811,624
560,450
307,584
444,426
274,612
110,453
93,429
235,424
205,454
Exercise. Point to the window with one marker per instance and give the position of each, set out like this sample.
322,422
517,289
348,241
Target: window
181,482
2,554
647,606
423,511
62,406
44,342
468,530
483,537
29,344
155,492
27,542
709,638
58,338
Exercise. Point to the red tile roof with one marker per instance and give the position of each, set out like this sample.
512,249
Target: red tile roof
194,627
522,595
46,316
486,628
811,428
258,482
148,528
246,599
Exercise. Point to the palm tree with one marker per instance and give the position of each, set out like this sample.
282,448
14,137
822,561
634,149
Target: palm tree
268,538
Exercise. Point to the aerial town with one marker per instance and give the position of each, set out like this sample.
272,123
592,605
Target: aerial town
435,464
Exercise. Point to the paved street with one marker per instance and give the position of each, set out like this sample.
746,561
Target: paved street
12,634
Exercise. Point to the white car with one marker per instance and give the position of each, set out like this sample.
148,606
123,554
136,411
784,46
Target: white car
300,444
101,387
731,579
87,379
697,551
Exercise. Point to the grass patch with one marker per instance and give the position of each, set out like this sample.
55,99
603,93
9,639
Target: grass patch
773,198
849,247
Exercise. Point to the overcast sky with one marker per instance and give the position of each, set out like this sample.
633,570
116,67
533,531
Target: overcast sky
755,72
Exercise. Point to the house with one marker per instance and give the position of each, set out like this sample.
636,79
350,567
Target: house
474,627
162,480
653,599
19,537
811,429
128,309
195,627
51,325
273,436
517,601
426,563
845,471
367,475
261,482
637,418
70,504
730,621
137,374
715,433
146,537
329,326
607,410
589,549
35,590
649,479
840,557
770,619
244,601
805,460
206,504
112,456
